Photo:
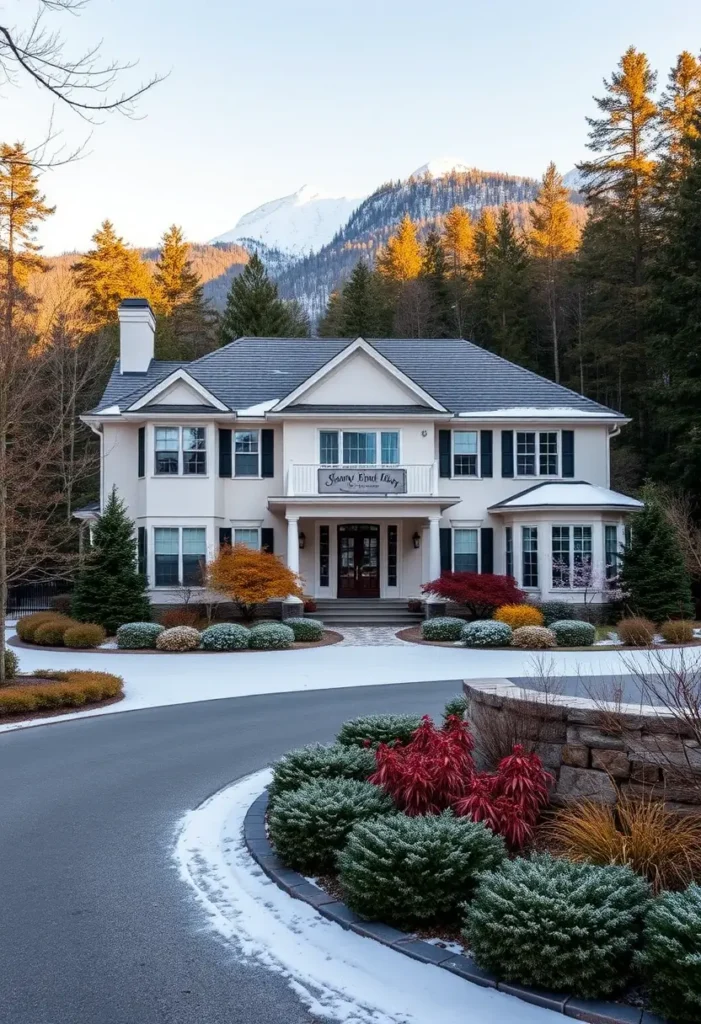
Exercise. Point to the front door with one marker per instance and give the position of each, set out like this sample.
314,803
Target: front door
358,560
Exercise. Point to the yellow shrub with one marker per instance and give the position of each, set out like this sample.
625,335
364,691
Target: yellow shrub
517,615
68,689
28,624
677,631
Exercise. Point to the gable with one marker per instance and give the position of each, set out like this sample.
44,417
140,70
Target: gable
179,393
359,380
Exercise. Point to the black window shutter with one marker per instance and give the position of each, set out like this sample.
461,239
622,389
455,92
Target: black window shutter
267,453
224,533
142,451
142,550
487,549
444,452
486,452
267,536
568,453
224,452
446,535
507,453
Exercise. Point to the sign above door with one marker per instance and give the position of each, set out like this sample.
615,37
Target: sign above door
362,481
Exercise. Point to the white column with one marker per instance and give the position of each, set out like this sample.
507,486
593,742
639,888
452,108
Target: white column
292,552
434,547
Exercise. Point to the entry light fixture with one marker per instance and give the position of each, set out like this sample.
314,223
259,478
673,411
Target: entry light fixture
302,541
417,540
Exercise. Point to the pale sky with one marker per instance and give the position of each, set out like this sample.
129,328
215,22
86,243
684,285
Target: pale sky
264,97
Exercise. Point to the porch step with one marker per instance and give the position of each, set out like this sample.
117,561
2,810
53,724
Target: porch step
363,611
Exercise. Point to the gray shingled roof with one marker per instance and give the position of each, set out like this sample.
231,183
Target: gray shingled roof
460,375
359,410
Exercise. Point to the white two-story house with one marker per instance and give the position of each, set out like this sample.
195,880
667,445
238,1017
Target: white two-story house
370,466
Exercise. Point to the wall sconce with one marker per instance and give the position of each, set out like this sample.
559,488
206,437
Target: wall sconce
417,540
302,541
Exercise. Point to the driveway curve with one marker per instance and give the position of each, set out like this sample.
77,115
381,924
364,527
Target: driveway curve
97,928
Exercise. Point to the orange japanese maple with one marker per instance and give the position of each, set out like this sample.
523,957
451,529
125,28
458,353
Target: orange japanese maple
248,577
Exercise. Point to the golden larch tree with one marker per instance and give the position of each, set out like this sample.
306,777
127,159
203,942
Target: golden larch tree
400,260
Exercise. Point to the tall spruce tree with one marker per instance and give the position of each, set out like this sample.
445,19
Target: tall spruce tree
176,282
654,577
110,272
461,264
253,306
502,292
435,278
109,588
679,108
185,325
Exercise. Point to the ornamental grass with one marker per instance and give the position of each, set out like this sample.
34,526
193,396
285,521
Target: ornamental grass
73,688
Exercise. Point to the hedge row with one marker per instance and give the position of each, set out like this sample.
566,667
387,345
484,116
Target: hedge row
74,688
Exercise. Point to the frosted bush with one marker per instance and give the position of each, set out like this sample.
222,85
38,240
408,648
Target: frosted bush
671,958
306,630
134,636
179,638
371,730
270,636
487,633
319,761
533,638
443,627
225,636
573,633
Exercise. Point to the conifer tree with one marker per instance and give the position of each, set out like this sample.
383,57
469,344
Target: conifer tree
654,577
253,307
22,209
553,238
176,282
680,105
502,291
434,275
461,267
400,260
485,234
110,272
331,323
109,588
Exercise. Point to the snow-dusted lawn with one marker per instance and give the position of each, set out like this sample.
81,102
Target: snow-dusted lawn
154,680
338,974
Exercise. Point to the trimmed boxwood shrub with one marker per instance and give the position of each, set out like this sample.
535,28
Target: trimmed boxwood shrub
50,633
554,611
225,636
558,925
136,636
533,638
306,630
317,761
309,825
84,635
11,663
179,638
670,961
270,636
487,633
371,730
443,627
414,870
677,631
573,633
62,690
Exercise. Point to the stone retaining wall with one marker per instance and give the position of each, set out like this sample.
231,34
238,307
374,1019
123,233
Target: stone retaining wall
592,751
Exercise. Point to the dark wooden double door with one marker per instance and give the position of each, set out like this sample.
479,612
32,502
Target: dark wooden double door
358,560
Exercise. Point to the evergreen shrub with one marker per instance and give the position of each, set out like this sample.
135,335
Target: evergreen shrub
670,961
62,689
309,826
554,611
677,631
179,638
558,925
270,636
487,633
306,630
61,603
533,638
573,633
518,615
455,706
371,730
136,636
411,871
318,761
225,636
50,632
11,663
84,635
636,632
28,624
443,627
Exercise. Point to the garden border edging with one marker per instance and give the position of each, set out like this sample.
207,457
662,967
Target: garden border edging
297,886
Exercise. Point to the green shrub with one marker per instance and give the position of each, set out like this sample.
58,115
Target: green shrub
225,636
487,633
558,925
533,638
670,961
136,636
271,636
84,635
28,624
306,630
179,638
62,604
443,627
50,633
457,705
11,663
317,761
309,825
636,632
378,729
677,631
554,611
573,633
414,870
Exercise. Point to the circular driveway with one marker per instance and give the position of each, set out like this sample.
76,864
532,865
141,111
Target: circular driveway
96,926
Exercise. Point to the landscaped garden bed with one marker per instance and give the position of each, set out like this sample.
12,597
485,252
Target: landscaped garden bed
409,836
45,693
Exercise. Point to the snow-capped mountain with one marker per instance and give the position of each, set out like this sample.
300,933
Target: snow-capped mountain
439,168
296,224
573,179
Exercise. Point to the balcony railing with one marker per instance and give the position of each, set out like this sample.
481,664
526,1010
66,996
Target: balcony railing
309,479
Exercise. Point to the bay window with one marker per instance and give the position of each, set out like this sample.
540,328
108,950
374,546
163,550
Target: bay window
465,551
611,551
465,453
529,546
167,449
537,453
194,451
571,556
179,556
359,447
180,450
246,453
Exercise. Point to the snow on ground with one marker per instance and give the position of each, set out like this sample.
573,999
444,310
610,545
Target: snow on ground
339,975
155,680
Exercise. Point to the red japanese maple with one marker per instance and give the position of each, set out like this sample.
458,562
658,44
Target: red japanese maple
481,593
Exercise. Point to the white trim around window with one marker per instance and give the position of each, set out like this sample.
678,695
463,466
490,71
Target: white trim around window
465,455
179,451
179,552
466,549
571,556
246,454
544,448
386,441
530,555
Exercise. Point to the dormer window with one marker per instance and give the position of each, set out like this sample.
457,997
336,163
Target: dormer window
180,450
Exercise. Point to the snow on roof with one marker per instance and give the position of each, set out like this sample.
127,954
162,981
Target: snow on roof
260,409
519,411
578,494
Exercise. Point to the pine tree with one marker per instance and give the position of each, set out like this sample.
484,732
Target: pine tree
502,290
400,260
110,272
109,589
434,275
485,234
654,577
22,209
331,323
176,282
552,239
360,309
680,105
253,307
185,325
461,267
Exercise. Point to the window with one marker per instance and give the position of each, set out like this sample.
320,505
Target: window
324,535
612,553
167,450
166,556
465,453
328,447
571,555
249,537
194,451
389,448
194,556
509,551
529,540
465,558
359,447
547,462
391,556
246,453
